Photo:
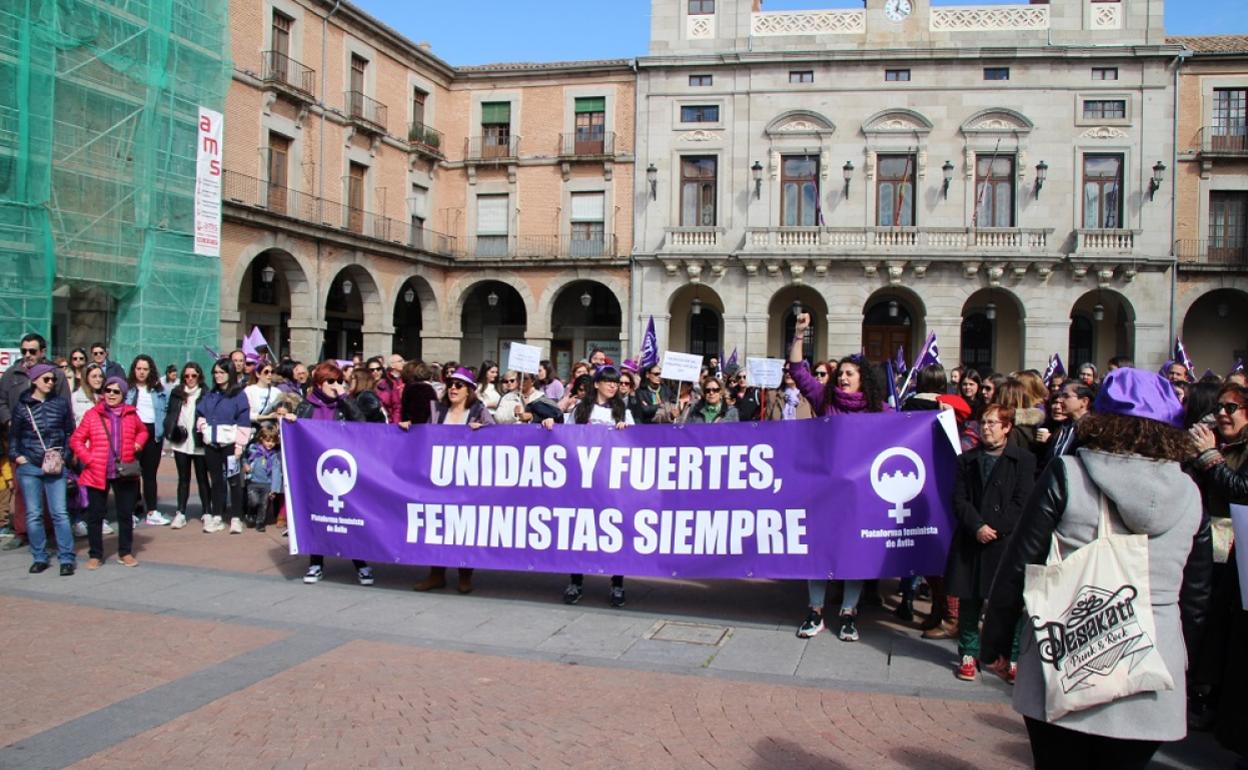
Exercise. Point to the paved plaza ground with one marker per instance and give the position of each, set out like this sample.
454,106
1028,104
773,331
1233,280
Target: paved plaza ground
213,654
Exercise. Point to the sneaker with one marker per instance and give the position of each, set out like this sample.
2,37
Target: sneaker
106,528
179,521
572,594
206,523
313,575
969,670
134,521
14,543
157,519
80,529
811,626
236,526
617,596
364,575
849,631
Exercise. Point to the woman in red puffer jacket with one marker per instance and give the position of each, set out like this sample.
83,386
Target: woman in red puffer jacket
109,435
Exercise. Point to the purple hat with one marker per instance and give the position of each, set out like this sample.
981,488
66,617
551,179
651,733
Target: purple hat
38,370
464,375
120,382
630,365
1137,393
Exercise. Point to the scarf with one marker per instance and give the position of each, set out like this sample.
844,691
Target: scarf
323,409
112,414
788,411
264,455
711,413
849,402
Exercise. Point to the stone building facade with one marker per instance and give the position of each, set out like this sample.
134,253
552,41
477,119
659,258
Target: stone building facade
1211,227
998,174
377,198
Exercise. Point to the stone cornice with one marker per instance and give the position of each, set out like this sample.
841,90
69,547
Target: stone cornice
843,55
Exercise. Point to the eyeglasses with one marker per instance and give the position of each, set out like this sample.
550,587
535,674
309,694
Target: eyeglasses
821,374
339,381
656,374
710,390
986,423
47,378
190,376
266,371
112,391
509,381
30,351
454,384
98,353
374,368
1230,407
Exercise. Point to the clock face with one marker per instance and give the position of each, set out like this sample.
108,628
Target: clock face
896,10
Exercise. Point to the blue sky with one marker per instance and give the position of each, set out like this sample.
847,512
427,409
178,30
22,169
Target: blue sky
485,31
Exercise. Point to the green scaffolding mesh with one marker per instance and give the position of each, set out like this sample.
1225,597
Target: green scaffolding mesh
99,101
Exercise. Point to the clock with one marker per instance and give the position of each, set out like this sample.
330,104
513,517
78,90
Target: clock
897,10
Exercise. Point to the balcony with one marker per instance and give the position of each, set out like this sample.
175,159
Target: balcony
1224,141
587,145
771,23
1211,253
425,140
261,195
365,112
693,239
540,247
833,241
1105,242
292,78
491,148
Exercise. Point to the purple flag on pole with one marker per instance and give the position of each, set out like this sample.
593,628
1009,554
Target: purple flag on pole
928,355
252,344
1054,369
893,399
899,364
1180,355
1238,366
731,500
649,346
732,359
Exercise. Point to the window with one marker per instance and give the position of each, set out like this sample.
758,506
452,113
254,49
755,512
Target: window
897,76
895,191
1105,109
281,33
697,191
590,125
355,94
700,81
996,73
802,76
279,163
701,7
799,191
994,191
1228,226
1104,73
355,196
492,218
1230,119
419,209
1102,191
588,231
699,113
495,129
418,105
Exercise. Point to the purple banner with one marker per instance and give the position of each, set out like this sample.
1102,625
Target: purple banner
852,496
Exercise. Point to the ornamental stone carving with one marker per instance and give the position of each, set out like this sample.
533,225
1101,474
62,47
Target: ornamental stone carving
1104,132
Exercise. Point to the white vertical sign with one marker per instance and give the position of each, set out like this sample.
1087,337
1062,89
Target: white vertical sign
208,162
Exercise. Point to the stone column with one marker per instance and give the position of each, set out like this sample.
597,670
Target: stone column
948,338
736,334
844,337
378,340
230,332
306,338
440,347
1044,338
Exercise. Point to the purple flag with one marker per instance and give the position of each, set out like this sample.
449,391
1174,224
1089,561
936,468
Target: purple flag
730,500
252,344
894,400
928,355
899,364
732,359
649,346
1238,366
1180,356
1054,369
1208,373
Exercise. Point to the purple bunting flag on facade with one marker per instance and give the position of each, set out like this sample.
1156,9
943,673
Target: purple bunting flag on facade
649,346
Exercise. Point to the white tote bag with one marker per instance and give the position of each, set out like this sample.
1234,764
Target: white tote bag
1092,616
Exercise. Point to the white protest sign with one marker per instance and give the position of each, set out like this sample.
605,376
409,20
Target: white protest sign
1239,519
524,358
682,367
765,372
8,357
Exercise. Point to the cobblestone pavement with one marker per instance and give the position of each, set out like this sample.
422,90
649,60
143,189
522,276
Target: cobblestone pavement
213,654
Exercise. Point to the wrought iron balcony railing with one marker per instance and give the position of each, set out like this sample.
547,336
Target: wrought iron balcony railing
280,68
581,144
565,246
426,139
1231,141
492,147
366,110
1221,252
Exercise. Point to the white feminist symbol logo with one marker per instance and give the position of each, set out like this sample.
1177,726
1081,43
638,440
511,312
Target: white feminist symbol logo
336,482
899,488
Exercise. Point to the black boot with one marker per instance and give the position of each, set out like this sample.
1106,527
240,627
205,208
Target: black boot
905,610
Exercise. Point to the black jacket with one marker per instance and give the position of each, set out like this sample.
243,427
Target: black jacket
998,502
347,411
748,405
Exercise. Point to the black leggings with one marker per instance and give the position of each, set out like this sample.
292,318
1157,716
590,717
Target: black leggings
617,581
216,458
149,463
1060,748
185,462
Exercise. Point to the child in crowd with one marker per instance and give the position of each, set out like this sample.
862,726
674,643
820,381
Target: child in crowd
263,468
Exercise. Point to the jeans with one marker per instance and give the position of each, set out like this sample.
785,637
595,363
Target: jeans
149,462
817,591
216,458
126,492
185,462
35,485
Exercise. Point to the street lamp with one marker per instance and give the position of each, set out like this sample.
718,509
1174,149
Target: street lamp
652,179
1098,312
1042,173
757,171
491,299
990,311
848,172
586,299
347,286
893,308
267,274
695,307
409,295
948,169
1154,184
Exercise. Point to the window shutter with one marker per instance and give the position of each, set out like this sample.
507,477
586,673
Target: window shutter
420,201
496,112
587,207
591,104
492,215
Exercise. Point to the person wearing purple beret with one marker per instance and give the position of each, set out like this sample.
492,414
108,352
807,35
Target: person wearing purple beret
1131,447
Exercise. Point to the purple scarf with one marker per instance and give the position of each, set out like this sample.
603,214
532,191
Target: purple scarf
113,416
322,409
849,402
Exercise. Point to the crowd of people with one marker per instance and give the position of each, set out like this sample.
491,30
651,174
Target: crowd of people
1170,452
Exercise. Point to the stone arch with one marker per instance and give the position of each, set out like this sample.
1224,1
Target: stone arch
799,123
352,318
576,327
996,120
1112,334
493,314
1211,335
299,272
546,301
459,289
883,332
411,323
692,335
897,120
780,316
993,334
271,306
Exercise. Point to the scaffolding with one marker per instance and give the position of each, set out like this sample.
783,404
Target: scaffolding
99,102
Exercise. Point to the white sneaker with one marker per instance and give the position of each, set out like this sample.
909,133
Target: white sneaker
157,519
217,524
106,528
134,521
209,523
80,529
236,526
179,521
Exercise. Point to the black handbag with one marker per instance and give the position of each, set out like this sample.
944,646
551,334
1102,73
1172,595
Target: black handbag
125,470
177,434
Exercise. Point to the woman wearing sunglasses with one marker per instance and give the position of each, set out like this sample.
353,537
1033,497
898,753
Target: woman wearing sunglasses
187,445
42,424
223,420
711,407
108,444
